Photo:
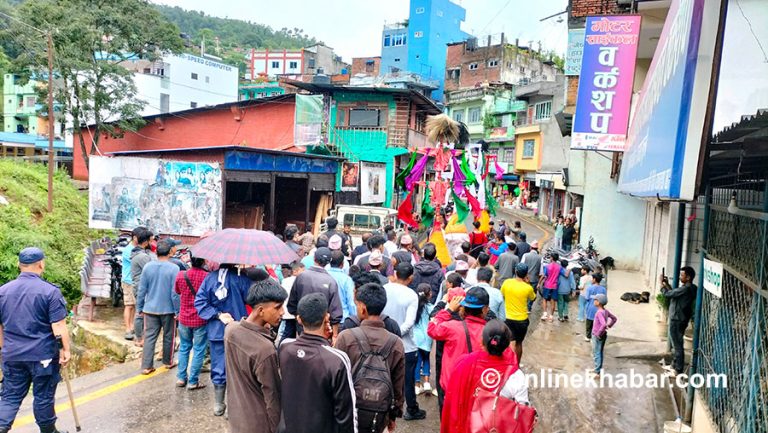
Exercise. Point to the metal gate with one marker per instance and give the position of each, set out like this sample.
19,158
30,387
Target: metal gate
733,338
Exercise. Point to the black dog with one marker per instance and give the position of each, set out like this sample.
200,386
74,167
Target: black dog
608,263
636,298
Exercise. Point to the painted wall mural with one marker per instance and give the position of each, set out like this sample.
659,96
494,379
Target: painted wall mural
169,197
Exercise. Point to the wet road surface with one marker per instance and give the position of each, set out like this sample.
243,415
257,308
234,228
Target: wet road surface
119,400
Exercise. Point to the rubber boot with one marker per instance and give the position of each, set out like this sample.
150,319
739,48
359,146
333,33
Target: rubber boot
220,405
51,428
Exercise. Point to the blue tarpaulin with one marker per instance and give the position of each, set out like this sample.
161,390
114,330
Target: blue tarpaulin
253,161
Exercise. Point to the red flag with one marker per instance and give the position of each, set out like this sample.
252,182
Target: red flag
476,209
405,212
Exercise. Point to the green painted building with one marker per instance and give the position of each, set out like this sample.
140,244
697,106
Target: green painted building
258,90
490,113
19,106
371,128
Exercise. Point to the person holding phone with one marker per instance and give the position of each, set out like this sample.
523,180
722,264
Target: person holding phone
681,300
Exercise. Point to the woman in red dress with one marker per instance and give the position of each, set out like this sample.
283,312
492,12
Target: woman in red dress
484,369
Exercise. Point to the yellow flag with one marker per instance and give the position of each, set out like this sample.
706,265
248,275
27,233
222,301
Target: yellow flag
438,239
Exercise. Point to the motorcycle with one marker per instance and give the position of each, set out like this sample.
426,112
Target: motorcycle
578,257
115,261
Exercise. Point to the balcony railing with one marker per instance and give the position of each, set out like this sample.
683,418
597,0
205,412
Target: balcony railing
417,139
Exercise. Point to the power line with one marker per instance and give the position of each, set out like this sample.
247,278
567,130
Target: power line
496,16
23,23
759,44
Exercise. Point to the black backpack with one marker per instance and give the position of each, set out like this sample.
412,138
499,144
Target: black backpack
373,384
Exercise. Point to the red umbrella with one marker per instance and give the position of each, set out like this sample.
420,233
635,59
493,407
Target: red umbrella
244,247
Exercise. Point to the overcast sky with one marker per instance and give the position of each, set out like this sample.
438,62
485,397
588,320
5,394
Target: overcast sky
353,27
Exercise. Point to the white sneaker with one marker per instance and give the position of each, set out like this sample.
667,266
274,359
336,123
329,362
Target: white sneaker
427,387
544,317
587,339
670,373
668,367
434,392
418,390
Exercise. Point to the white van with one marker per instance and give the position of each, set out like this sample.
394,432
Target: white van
362,219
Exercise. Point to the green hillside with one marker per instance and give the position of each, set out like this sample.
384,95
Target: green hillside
234,33
25,221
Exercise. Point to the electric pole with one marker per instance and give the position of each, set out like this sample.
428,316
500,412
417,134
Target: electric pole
51,121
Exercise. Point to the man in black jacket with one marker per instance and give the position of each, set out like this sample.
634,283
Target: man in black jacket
681,302
317,280
428,271
311,368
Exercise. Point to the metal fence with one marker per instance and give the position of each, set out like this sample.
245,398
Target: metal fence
734,338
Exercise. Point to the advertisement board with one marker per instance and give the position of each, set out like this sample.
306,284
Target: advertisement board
605,83
574,52
373,183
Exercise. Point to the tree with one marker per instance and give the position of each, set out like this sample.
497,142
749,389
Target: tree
92,40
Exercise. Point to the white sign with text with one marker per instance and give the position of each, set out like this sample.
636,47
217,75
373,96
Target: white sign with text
713,277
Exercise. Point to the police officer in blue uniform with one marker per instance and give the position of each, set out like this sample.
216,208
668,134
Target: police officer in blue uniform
34,340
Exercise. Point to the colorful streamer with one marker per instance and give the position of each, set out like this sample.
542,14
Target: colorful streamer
462,210
474,204
427,211
499,171
416,173
490,202
400,179
405,212
470,177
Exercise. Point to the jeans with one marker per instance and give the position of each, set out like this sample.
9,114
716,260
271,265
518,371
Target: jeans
562,305
422,365
676,332
582,309
152,325
218,363
17,376
193,340
598,344
411,359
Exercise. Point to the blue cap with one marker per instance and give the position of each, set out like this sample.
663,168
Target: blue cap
31,255
602,299
477,297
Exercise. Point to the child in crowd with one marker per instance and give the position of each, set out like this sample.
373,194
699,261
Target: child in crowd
565,285
592,292
603,320
584,282
422,340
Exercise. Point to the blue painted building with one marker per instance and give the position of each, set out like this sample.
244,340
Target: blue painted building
420,44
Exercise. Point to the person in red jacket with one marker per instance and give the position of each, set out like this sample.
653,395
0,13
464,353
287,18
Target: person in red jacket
487,369
460,336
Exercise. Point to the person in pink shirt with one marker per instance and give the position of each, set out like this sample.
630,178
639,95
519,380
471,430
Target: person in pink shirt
551,273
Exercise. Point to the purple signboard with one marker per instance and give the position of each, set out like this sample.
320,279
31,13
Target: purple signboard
605,83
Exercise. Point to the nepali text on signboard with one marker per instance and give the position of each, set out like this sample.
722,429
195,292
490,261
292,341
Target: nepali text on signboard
664,139
575,52
605,83
713,277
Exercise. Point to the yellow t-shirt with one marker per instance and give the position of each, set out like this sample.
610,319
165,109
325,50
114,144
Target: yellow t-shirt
516,295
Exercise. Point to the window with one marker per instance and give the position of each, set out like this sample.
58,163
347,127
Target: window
543,110
293,65
364,117
147,70
474,115
522,69
418,34
194,76
458,115
399,40
193,104
30,101
454,74
419,10
387,40
311,63
275,65
362,221
493,63
397,59
207,79
274,94
261,95
320,70
529,148
472,66
508,155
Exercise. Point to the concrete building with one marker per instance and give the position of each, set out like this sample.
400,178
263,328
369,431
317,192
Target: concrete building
418,44
183,81
368,66
313,60
475,61
20,106
371,126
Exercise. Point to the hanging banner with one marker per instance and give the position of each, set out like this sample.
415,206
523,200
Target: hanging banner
373,186
350,176
574,52
605,83
308,123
